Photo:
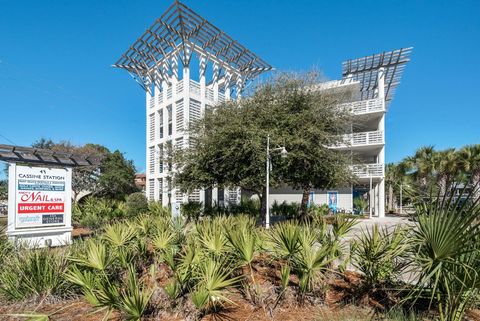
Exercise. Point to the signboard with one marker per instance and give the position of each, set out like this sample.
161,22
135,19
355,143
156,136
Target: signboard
175,210
332,199
42,196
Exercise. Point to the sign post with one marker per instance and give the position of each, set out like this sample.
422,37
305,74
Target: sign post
39,205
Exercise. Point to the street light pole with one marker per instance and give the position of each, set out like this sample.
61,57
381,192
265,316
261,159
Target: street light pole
283,153
267,191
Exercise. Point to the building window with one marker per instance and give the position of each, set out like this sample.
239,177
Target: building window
151,164
180,115
160,119
194,110
151,189
170,119
152,127
160,158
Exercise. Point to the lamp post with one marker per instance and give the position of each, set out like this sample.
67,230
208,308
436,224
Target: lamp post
283,153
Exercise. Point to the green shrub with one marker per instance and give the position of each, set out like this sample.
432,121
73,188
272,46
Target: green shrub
191,210
157,209
360,205
33,273
318,211
136,204
285,209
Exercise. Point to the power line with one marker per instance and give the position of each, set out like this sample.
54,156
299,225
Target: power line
7,139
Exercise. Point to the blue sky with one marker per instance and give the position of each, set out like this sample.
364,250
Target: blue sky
56,80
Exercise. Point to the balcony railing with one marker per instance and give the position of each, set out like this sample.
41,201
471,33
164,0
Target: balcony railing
368,170
362,139
365,106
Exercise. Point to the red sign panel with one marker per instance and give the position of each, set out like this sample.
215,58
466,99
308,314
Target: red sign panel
29,208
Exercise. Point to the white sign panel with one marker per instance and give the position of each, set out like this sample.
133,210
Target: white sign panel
42,196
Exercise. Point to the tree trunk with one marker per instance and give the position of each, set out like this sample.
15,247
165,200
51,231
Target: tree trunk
263,205
390,198
303,205
476,185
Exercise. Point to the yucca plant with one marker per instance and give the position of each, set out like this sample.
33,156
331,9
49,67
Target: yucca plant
379,254
33,273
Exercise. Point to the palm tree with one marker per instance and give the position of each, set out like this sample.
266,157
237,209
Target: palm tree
446,168
391,179
403,169
470,164
423,162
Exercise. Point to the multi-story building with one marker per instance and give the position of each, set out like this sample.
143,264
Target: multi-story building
370,83
186,65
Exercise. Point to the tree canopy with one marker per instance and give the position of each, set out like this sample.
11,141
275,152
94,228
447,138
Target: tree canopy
113,178
228,145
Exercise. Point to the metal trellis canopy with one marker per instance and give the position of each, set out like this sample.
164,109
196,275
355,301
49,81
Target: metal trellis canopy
365,71
29,155
180,31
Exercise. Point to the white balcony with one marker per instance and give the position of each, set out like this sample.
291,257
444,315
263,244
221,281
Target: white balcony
365,106
362,139
368,170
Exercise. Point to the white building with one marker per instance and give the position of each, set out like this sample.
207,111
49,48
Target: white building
185,64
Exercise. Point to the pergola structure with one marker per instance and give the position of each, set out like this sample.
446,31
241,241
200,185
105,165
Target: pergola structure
29,155
365,70
178,33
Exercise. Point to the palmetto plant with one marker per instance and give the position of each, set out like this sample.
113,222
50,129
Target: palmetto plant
311,261
378,252
134,297
213,278
446,248
285,239
212,236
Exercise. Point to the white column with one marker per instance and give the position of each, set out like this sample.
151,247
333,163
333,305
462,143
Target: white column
202,70
216,71
228,79
148,176
381,155
239,85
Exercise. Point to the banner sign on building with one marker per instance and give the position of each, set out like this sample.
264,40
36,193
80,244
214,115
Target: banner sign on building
332,199
41,196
